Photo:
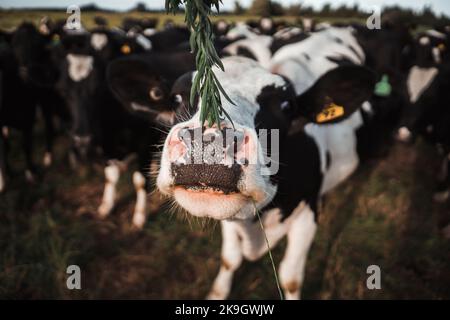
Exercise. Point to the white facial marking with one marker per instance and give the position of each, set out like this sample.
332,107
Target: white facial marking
80,66
266,23
5,131
424,41
404,134
419,79
47,159
99,41
139,215
112,174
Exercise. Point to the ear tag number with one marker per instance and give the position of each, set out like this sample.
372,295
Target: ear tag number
331,112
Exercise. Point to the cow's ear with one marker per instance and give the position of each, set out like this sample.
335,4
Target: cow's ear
181,94
337,94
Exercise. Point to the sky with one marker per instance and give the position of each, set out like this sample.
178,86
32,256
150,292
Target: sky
439,6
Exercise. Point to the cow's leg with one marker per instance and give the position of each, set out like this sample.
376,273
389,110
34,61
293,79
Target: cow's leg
231,260
139,215
292,268
443,192
49,136
112,174
28,150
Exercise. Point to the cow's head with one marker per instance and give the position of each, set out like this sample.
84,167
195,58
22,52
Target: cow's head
33,54
143,84
223,171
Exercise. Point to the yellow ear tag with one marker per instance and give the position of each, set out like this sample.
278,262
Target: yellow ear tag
441,46
331,112
125,49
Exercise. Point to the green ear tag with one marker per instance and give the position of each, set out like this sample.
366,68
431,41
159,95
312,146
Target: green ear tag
383,88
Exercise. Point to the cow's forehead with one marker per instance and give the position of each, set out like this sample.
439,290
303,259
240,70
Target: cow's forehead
243,81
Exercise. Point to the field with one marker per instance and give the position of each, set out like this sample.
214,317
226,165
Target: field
384,215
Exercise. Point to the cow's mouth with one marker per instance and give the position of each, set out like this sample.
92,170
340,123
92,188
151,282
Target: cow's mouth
207,178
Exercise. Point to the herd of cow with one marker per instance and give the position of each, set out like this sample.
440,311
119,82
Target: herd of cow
334,94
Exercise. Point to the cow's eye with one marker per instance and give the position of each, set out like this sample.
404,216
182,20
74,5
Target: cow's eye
156,93
285,105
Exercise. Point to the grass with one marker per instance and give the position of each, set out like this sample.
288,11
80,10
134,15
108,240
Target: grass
11,19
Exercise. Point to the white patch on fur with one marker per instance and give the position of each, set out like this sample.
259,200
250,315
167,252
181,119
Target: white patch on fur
258,46
323,44
145,43
307,24
139,215
80,66
436,34
266,23
436,55
149,32
339,140
112,174
5,131
419,79
305,61
300,237
47,159
404,134
287,33
99,41
222,26
2,181
241,30
424,41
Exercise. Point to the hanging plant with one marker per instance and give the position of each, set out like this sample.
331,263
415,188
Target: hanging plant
205,83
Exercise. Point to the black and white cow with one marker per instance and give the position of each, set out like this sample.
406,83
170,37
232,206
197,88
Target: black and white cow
223,173
143,86
427,89
28,79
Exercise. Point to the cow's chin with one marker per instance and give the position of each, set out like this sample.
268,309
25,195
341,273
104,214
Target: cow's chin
211,204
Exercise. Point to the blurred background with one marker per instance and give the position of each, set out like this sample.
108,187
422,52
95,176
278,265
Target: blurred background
383,215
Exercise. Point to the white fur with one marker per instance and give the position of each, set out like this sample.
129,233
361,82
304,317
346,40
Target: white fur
47,159
112,174
436,34
403,134
2,181
241,30
139,215
323,44
5,131
99,41
258,46
144,42
339,140
424,41
419,79
80,66
436,55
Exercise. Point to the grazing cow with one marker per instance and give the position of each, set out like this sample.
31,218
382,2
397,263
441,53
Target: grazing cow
224,173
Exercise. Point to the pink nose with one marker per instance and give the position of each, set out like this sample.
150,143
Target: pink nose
210,146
